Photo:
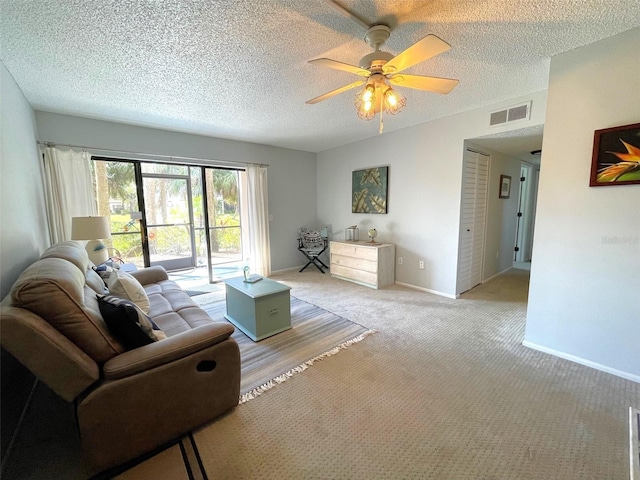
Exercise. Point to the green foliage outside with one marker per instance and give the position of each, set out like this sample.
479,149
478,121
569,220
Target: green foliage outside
172,241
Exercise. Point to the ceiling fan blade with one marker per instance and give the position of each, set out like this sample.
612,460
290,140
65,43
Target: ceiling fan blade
327,62
430,84
428,47
335,92
348,14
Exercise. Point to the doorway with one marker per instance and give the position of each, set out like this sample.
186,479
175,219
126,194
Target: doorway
528,192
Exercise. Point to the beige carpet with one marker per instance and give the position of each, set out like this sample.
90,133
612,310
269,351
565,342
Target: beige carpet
444,390
315,334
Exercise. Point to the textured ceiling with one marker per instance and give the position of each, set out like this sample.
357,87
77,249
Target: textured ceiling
238,69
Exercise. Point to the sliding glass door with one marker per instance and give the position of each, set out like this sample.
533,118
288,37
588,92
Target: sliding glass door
165,214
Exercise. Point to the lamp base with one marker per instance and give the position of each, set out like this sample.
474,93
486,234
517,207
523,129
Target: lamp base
97,252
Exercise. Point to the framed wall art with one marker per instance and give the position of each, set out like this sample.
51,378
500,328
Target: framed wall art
505,186
616,156
369,190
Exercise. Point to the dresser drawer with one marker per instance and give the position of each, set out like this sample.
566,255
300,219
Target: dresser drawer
366,253
354,262
353,274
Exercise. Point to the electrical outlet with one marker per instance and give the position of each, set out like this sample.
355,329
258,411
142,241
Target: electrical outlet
399,260
421,264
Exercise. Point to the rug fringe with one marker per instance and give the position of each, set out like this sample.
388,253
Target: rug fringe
256,392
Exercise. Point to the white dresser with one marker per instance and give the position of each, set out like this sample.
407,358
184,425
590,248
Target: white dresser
371,265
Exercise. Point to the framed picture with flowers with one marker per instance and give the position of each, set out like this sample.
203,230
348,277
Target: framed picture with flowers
616,156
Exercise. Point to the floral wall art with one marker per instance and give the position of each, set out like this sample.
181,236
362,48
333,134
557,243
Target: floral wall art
616,156
369,190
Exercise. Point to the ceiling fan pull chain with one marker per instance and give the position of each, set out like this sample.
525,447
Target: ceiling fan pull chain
381,122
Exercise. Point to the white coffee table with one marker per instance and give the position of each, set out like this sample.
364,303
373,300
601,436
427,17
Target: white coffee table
259,309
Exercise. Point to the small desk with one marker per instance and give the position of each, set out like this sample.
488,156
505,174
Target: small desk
259,309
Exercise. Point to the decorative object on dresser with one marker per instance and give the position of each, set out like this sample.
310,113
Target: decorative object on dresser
373,233
363,263
352,234
369,190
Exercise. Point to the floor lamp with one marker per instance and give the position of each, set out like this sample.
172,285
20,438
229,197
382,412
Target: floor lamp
93,229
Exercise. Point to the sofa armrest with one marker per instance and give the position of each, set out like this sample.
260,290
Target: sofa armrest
124,418
149,275
48,354
166,351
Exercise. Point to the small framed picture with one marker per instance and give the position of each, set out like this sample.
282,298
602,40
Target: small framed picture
505,186
616,156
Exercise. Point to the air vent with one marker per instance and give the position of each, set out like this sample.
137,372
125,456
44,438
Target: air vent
511,114
498,117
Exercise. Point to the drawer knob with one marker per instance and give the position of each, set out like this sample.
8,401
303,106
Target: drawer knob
274,311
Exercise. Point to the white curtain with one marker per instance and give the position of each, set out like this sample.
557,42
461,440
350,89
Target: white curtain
68,190
257,219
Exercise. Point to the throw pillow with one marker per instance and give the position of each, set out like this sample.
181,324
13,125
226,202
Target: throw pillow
128,323
123,285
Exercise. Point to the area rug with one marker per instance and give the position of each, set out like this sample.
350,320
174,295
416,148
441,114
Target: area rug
194,293
315,334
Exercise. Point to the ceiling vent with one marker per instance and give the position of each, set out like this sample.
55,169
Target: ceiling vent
511,114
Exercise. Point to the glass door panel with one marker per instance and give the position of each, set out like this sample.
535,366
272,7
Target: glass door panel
169,216
116,193
223,211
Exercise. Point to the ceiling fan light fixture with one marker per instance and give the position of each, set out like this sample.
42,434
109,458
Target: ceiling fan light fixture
393,101
365,102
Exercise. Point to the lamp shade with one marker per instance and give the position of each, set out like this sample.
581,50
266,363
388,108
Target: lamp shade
90,228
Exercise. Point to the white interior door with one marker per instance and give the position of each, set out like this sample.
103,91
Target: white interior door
475,186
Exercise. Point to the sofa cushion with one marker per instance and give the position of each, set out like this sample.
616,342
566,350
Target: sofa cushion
173,310
55,289
127,321
70,251
95,281
123,285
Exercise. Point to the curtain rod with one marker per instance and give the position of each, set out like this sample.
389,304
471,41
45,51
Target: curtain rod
157,155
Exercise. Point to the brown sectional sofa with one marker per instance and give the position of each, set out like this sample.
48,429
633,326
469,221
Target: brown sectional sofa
127,402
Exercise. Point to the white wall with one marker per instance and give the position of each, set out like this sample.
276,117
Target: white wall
291,173
23,225
425,174
585,277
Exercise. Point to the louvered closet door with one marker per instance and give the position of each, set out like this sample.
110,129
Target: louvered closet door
475,185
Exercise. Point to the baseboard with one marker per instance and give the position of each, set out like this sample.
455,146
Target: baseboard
583,361
497,274
522,265
428,290
284,270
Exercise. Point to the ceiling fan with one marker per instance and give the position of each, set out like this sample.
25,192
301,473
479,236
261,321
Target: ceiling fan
379,69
